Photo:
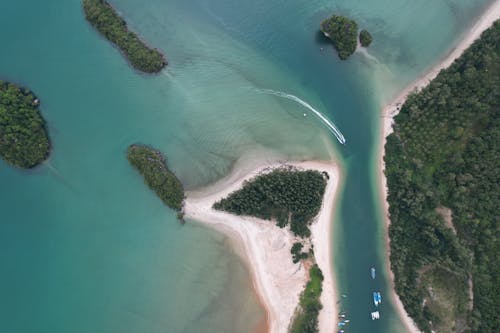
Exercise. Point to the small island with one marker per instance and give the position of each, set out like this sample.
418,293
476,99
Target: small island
365,38
343,33
24,141
104,18
153,167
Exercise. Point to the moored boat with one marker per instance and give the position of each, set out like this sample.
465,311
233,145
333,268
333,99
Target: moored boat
375,298
375,315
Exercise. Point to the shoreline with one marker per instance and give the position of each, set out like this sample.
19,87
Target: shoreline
391,109
266,247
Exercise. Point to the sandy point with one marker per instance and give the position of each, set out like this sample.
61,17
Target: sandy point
266,247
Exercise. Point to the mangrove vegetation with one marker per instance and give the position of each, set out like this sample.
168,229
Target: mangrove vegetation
287,195
153,167
24,141
444,156
106,20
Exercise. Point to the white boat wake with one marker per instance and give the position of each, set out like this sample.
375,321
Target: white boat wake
331,126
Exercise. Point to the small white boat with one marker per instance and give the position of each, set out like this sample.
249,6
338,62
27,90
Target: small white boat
375,315
373,272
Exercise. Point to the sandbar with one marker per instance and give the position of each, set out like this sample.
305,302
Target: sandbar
266,247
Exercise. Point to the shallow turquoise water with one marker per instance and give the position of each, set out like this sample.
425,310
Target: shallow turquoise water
84,246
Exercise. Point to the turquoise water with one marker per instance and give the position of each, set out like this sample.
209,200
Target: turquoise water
84,246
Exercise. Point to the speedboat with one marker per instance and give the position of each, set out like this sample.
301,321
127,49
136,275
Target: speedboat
373,272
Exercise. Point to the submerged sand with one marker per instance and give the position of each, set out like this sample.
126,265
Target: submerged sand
392,109
266,247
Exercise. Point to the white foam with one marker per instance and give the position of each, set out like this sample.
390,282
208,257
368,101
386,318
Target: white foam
331,126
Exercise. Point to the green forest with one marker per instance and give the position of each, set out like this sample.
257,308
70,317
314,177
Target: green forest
153,167
343,33
287,195
365,38
105,19
444,155
24,141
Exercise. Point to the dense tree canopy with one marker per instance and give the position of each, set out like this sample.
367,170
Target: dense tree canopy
445,152
285,194
153,167
105,19
343,33
24,141
297,254
365,38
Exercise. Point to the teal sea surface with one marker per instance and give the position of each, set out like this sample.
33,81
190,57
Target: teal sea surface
86,247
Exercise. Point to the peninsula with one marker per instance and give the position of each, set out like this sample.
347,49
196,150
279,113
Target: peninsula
292,197
442,182
106,20
153,167
24,141
297,292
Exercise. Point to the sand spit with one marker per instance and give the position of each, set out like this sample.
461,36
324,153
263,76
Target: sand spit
266,247
491,14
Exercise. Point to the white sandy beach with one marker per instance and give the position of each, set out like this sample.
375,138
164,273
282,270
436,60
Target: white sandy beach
392,109
266,247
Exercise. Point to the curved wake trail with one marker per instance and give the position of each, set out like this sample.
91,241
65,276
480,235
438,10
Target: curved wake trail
331,126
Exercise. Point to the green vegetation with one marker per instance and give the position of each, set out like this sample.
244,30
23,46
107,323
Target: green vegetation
105,19
365,38
444,152
285,194
343,33
24,141
306,317
153,167
297,254
446,299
